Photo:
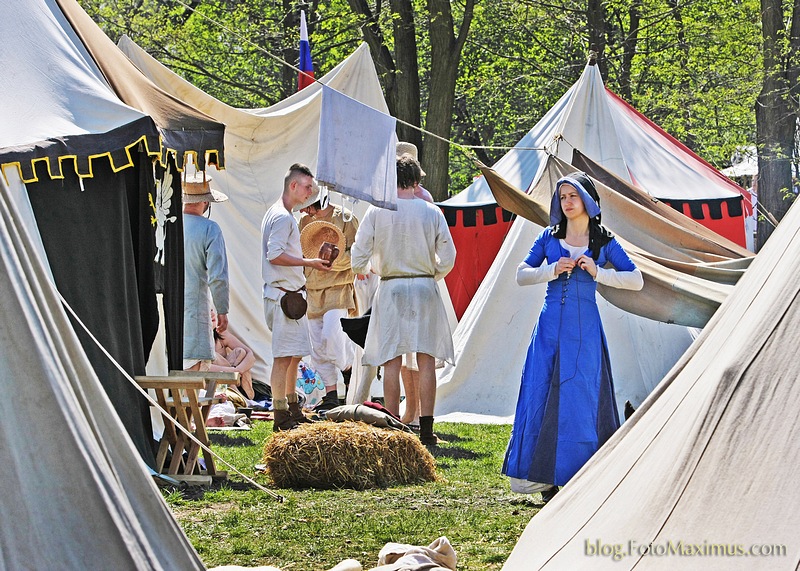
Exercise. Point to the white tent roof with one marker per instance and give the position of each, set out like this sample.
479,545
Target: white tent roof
66,105
73,99
602,126
710,459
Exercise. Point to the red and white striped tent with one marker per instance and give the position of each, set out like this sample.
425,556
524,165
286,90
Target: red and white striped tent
592,119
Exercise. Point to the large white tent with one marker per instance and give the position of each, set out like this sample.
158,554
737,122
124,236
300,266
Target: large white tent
704,475
77,494
260,146
500,318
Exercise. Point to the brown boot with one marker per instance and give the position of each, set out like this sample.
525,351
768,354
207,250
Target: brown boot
283,421
297,413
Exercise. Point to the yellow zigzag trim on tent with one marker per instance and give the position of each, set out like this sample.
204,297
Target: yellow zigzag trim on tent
161,154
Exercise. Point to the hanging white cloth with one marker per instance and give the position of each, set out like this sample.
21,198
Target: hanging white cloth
356,155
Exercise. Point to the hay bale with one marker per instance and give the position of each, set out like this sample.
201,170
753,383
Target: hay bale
346,455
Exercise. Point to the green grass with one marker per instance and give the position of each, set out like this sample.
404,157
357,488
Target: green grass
237,524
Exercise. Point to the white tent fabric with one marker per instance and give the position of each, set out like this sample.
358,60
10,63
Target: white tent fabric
710,458
603,127
77,494
53,111
260,145
500,319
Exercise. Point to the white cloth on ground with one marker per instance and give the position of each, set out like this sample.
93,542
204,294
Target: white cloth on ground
439,555
331,348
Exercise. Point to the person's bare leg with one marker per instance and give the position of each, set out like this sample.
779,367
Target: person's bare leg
410,380
291,393
427,383
391,384
280,405
427,392
290,387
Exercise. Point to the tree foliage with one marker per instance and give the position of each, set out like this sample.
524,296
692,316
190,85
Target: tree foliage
692,66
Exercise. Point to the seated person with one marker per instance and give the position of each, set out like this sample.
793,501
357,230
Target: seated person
232,356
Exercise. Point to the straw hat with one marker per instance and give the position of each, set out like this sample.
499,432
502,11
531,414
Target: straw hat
197,188
404,148
317,232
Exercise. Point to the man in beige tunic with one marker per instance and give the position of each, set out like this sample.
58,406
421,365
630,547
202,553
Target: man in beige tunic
331,296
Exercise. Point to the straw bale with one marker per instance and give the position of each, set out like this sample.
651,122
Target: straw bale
346,454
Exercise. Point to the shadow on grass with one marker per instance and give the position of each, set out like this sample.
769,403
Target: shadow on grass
454,452
229,439
194,493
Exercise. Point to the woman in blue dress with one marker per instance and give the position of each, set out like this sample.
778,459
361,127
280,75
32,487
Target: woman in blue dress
566,408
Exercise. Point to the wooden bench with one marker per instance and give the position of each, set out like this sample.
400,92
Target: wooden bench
179,395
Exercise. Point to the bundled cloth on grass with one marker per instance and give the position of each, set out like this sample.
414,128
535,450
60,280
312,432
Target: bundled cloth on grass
368,413
346,455
438,556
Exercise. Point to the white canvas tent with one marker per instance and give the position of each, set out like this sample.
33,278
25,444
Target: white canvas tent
260,146
77,494
710,458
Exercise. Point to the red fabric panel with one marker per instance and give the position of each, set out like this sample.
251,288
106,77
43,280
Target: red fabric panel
728,226
476,248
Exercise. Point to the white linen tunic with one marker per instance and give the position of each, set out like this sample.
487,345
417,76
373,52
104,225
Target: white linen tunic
409,248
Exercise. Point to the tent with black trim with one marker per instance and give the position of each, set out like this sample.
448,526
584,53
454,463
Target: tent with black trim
704,474
80,163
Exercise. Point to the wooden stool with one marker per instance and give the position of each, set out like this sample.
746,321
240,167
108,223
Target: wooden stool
178,394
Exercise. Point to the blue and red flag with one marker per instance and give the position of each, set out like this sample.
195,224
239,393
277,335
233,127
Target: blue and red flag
306,75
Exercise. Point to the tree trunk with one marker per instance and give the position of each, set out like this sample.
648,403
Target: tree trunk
407,97
596,24
777,111
445,56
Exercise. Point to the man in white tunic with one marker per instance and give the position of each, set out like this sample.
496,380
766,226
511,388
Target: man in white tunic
282,264
410,249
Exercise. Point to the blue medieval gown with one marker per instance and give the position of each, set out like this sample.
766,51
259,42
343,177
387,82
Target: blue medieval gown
566,408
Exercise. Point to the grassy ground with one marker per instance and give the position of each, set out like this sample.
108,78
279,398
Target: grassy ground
236,524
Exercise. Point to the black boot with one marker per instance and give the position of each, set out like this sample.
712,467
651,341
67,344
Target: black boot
329,401
426,435
346,379
283,421
548,495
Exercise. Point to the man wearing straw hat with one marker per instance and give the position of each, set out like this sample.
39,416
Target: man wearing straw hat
205,270
282,264
331,295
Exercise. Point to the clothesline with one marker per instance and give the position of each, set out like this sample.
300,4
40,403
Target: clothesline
463,148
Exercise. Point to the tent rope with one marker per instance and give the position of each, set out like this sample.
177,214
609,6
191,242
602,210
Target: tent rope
155,404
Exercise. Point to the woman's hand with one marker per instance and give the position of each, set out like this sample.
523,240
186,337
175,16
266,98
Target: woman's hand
565,265
587,263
